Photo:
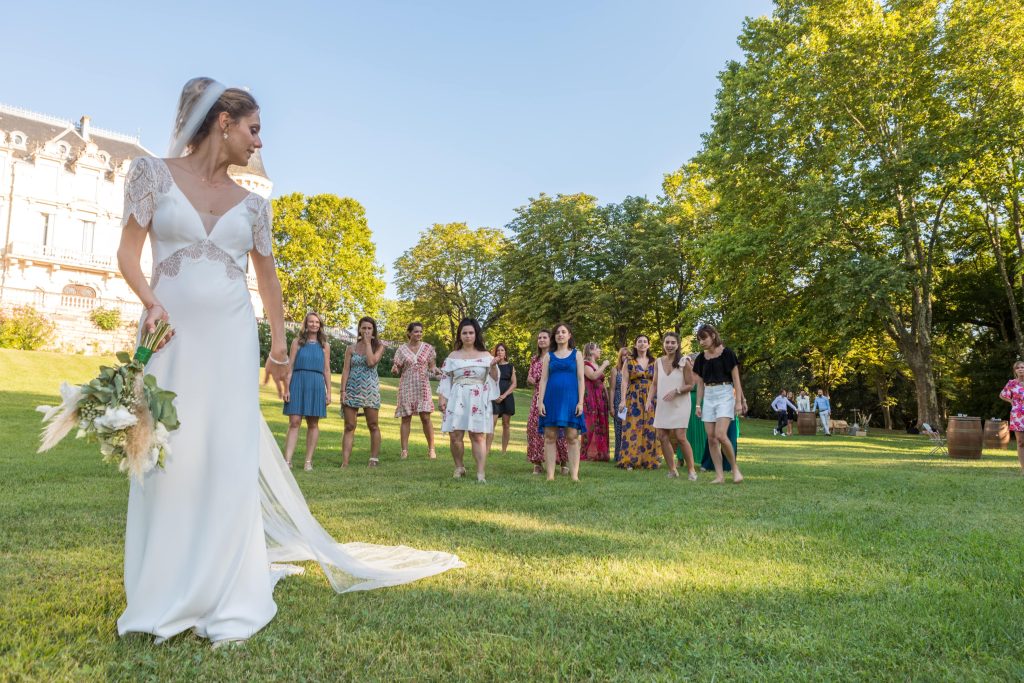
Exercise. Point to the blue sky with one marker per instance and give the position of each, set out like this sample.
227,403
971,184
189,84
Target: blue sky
425,112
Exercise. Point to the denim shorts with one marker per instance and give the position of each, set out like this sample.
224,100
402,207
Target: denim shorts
719,402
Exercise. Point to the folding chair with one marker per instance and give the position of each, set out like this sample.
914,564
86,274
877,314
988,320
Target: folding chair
938,443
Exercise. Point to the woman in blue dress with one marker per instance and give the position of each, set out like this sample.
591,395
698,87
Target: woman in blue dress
309,387
560,401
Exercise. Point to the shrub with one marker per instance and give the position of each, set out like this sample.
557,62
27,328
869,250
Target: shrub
25,328
263,333
107,319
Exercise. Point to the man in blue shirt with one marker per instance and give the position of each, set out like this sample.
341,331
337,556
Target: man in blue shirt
824,410
779,406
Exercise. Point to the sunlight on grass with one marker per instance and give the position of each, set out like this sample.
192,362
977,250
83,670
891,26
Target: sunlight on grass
837,559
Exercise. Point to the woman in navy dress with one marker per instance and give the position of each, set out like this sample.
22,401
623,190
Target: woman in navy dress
309,387
560,401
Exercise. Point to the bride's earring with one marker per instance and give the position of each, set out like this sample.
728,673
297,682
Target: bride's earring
225,134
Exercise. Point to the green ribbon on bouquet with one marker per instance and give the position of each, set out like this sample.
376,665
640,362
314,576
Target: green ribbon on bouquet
151,340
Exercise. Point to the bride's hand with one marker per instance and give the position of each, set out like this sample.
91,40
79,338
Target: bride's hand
157,312
278,370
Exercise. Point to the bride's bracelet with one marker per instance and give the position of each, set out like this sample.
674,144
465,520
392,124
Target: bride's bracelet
273,360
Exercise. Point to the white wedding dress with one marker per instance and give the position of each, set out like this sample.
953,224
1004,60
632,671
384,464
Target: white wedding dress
203,531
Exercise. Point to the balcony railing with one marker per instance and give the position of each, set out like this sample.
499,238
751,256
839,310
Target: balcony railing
46,254
52,302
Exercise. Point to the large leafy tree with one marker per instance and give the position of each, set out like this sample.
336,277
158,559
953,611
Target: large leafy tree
555,264
326,257
453,272
838,152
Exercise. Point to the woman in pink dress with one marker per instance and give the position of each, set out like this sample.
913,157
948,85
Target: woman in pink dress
1013,393
415,363
534,439
595,406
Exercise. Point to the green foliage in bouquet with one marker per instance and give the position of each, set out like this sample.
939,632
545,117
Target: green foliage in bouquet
122,409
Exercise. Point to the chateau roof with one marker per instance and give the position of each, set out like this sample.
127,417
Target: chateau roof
41,128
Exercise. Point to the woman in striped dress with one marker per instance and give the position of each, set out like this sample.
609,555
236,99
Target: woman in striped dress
360,389
309,387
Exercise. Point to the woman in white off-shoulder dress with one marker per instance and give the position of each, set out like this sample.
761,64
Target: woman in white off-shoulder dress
203,531
469,382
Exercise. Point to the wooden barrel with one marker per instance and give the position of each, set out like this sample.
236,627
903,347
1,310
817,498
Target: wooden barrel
964,438
997,434
806,424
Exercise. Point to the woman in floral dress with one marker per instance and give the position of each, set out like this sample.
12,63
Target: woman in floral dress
534,439
469,383
595,406
639,438
415,364
1013,393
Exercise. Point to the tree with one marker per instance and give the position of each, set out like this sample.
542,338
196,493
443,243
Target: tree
453,272
837,152
326,258
555,263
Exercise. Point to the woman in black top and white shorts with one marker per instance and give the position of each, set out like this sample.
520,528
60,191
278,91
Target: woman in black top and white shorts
719,393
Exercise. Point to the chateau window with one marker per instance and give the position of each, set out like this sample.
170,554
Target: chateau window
47,229
79,290
88,236
18,139
64,149
104,157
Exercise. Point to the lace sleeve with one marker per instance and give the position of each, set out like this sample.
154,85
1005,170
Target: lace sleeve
140,188
260,209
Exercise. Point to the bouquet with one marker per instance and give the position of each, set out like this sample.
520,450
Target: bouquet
123,410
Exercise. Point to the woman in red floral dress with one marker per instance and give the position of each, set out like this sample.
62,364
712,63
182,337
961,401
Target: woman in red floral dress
595,406
1013,393
534,439
415,363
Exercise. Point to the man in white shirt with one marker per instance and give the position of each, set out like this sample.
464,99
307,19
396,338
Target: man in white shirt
803,402
779,405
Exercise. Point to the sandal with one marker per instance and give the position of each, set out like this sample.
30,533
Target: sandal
288,463
565,470
536,469
405,454
692,476
433,455
373,462
308,466
673,474
460,472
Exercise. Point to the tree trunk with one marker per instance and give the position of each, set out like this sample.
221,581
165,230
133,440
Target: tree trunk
920,361
881,381
997,248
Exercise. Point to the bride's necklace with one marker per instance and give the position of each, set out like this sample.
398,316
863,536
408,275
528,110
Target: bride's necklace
205,179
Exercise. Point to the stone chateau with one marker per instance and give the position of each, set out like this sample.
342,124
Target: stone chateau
61,197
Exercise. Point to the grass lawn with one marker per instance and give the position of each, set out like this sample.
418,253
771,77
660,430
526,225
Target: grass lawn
836,559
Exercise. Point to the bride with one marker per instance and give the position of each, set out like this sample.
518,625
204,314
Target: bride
202,533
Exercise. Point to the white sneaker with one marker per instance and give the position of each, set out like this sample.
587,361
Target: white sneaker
775,432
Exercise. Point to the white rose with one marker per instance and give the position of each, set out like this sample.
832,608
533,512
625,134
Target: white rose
151,461
115,419
160,434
